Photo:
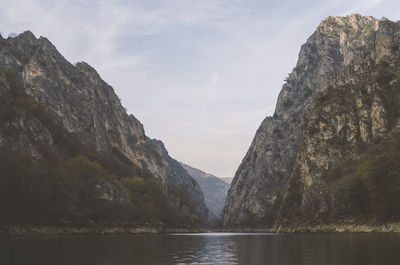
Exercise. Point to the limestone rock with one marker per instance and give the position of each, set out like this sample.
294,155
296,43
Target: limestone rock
50,106
214,190
326,106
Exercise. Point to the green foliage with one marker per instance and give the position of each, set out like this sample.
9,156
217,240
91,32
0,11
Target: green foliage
78,176
60,186
347,28
394,47
384,74
354,34
380,175
307,92
287,103
26,192
363,90
38,192
313,129
150,202
369,31
139,188
278,133
377,139
330,21
8,108
14,81
358,196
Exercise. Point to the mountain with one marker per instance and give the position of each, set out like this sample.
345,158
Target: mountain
316,160
178,180
70,153
214,190
227,180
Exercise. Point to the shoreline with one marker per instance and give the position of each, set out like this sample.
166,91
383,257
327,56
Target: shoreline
393,227
53,230
35,230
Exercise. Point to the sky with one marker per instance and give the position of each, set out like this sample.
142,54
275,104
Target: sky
201,75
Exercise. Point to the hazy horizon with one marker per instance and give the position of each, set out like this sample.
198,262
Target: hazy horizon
199,75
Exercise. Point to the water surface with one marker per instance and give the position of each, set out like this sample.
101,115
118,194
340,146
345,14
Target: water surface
206,248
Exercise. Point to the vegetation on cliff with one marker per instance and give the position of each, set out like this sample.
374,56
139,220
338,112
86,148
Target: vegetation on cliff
329,153
69,152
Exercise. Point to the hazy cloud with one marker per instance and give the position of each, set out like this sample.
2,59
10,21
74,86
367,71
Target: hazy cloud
199,74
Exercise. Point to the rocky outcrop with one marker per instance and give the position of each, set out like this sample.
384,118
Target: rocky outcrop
325,111
179,180
214,190
65,118
76,98
352,121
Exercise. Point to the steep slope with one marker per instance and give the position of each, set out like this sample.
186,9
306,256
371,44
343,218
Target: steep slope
260,182
214,189
227,180
348,164
83,159
179,180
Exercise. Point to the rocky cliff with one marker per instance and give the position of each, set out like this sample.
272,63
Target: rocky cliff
81,157
179,180
215,190
337,100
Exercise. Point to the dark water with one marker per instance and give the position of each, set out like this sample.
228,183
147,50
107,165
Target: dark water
213,248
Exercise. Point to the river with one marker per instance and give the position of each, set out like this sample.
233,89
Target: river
205,248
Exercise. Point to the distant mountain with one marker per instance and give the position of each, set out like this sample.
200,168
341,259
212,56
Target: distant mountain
214,189
178,179
227,180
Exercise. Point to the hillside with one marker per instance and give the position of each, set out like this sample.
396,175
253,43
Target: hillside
214,189
71,155
312,162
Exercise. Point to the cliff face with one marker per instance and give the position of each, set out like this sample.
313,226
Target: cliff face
78,100
214,189
325,112
52,112
349,131
179,180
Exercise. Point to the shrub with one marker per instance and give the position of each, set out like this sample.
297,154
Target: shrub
278,133
146,196
78,176
287,103
380,174
384,73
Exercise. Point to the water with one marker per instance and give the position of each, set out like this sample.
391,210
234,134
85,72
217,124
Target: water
211,248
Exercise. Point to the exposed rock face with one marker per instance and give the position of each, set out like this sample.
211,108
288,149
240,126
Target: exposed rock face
214,189
340,52
77,99
354,115
179,178
50,106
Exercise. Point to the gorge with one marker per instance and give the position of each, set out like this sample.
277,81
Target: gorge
327,160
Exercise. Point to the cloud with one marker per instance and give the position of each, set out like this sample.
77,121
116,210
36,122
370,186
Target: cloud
200,74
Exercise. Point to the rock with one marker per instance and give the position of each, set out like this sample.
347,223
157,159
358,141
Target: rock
325,111
53,110
214,190
179,178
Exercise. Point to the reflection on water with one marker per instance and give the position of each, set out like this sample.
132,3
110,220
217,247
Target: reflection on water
210,248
